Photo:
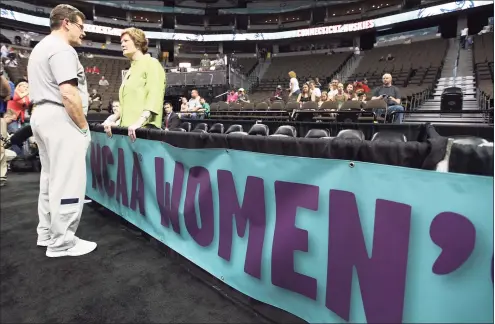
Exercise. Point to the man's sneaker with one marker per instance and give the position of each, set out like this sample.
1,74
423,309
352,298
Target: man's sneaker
82,247
44,243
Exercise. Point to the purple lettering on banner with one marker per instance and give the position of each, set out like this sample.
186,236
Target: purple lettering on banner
252,210
455,235
203,234
287,238
97,182
382,278
137,188
121,194
107,159
169,205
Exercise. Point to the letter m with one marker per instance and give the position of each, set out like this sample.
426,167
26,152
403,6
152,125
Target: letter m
252,212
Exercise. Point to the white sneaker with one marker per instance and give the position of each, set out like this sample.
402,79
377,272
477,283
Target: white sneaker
87,201
82,247
44,243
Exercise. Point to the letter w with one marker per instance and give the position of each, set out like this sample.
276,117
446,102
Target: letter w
382,277
168,202
252,210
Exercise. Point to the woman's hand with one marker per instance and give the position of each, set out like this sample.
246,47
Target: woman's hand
108,128
132,131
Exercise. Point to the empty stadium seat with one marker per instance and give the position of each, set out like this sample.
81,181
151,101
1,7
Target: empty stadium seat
201,126
286,131
217,128
234,128
259,129
317,133
356,134
388,136
186,125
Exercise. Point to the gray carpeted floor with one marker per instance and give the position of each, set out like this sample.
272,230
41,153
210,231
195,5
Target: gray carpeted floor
125,280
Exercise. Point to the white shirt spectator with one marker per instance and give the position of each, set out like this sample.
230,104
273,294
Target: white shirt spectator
103,82
4,50
464,31
357,51
293,85
315,93
332,93
194,103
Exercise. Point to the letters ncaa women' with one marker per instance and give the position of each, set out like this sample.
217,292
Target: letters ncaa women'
60,95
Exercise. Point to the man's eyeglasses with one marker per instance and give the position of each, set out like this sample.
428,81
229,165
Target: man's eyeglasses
80,26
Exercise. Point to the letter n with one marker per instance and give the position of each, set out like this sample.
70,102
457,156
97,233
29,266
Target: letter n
96,167
382,277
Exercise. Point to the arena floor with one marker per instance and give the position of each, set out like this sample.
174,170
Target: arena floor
125,280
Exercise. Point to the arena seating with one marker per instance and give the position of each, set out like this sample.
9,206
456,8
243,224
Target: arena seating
307,66
259,129
483,65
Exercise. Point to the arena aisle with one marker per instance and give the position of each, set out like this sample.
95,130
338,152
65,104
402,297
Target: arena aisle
125,280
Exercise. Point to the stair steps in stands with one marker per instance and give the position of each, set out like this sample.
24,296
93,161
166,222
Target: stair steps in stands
257,74
350,67
464,80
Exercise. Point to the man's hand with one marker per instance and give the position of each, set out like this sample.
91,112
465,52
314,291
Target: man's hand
132,131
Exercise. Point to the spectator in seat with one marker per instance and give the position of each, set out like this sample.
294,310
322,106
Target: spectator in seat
5,93
18,105
232,96
391,95
382,59
4,51
115,109
103,82
193,105
333,87
88,70
95,70
314,91
95,100
94,96
293,85
183,104
205,63
349,90
317,83
390,57
277,95
323,98
142,91
205,108
340,97
305,94
171,119
6,155
242,97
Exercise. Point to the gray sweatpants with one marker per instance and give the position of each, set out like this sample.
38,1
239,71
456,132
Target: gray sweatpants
62,148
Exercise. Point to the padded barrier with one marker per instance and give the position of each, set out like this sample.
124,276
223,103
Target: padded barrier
413,154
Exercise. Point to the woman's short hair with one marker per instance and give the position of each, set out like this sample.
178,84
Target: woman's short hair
138,37
292,74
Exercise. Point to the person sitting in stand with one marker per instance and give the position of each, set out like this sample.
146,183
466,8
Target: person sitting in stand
340,97
103,82
232,96
392,97
205,108
323,98
242,97
277,95
349,90
305,95
95,70
171,119
205,63
19,104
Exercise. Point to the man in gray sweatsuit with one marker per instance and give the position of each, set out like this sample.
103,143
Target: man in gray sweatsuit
59,92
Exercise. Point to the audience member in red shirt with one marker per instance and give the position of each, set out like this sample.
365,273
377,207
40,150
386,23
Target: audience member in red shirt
232,96
96,70
19,103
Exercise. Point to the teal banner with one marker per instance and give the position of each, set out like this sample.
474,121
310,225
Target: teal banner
329,241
